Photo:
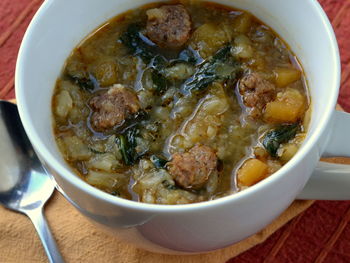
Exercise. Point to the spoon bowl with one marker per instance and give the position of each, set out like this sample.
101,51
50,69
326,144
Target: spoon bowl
24,184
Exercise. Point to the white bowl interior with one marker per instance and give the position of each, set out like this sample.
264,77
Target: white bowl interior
52,36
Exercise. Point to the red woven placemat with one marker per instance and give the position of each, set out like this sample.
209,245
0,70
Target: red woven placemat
320,234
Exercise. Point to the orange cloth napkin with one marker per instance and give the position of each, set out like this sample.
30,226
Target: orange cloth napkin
81,241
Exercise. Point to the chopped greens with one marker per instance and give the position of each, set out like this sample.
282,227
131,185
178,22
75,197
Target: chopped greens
168,185
141,115
190,56
127,143
84,83
137,43
158,162
159,63
221,66
131,121
95,151
160,83
115,193
276,137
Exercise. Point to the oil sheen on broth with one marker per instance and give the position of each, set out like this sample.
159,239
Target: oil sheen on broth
180,102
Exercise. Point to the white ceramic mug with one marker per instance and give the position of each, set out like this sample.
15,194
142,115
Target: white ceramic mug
60,25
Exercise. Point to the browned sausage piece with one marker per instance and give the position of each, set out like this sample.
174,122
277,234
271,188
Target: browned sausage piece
169,25
192,169
113,107
256,92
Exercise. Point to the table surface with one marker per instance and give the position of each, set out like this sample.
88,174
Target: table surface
320,234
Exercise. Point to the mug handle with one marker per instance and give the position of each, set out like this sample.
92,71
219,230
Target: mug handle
331,181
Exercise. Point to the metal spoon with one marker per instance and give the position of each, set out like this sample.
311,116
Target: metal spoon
24,184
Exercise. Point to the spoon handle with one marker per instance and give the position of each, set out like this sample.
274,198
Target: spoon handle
38,219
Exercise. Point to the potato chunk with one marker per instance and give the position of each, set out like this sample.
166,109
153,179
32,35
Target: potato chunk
208,38
251,172
286,76
287,151
105,162
75,148
288,107
106,181
243,48
106,73
64,103
242,23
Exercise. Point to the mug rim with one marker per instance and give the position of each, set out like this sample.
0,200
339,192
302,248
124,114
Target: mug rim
77,182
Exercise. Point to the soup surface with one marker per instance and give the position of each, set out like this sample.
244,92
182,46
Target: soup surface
179,103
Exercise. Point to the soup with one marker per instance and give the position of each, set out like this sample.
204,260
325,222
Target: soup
180,102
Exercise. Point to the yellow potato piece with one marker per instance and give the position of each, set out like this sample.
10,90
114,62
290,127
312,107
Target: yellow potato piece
251,172
286,76
288,151
289,107
64,103
106,73
243,47
209,38
242,23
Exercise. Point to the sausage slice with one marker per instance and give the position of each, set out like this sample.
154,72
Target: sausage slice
168,26
256,92
191,170
113,107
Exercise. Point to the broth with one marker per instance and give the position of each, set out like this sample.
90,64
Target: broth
180,102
